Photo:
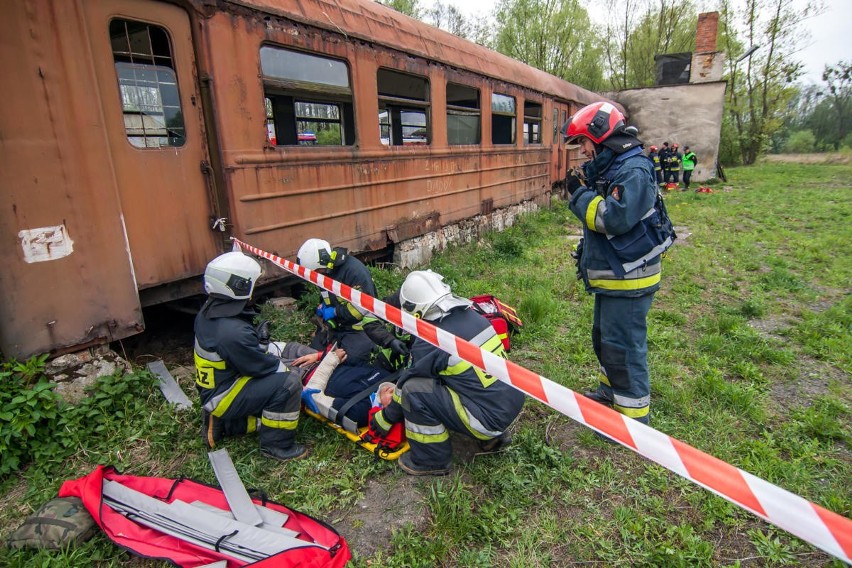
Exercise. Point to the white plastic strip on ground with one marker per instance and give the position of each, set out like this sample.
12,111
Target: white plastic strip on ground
810,522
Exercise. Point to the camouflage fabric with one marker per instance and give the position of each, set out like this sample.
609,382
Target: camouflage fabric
58,523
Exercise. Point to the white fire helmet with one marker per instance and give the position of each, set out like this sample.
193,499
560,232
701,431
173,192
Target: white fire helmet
314,254
233,275
425,295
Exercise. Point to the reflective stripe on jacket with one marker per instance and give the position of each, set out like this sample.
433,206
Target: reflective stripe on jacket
227,355
628,191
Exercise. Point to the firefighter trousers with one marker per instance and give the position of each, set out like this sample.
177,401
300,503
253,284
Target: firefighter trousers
620,340
432,411
275,398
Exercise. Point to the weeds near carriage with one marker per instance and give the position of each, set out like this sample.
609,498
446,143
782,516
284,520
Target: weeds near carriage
750,360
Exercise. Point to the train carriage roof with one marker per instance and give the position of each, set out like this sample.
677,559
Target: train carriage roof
373,22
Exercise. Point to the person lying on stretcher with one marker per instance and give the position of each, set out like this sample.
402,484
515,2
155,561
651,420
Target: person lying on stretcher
338,391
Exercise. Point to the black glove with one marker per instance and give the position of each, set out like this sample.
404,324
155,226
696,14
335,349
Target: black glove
399,348
577,255
573,182
263,332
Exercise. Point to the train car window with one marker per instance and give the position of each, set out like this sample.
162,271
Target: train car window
555,126
532,122
502,119
403,109
564,116
147,84
308,99
463,115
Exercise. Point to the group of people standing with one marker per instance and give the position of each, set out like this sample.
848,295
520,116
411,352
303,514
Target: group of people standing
247,382
668,162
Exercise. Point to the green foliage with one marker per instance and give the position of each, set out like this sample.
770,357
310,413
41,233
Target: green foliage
551,36
760,83
801,142
28,407
35,424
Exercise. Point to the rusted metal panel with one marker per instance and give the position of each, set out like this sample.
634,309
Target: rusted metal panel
164,193
379,24
67,278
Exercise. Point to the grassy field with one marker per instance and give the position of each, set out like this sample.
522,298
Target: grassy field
749,346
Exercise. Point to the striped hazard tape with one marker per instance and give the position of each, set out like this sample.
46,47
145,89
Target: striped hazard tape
810,522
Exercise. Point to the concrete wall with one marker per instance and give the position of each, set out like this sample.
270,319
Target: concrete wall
689,115
418,251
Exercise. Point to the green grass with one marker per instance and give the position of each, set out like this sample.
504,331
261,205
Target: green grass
750,356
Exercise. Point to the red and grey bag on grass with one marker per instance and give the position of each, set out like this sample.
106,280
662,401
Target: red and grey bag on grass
503,317
323,547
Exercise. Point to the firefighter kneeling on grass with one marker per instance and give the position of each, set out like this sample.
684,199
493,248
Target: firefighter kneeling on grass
439,393
237,380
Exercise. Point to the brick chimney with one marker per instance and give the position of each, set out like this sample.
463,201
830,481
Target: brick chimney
707,63
705,34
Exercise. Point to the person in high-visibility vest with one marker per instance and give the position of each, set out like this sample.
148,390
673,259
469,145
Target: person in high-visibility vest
689,162
617,205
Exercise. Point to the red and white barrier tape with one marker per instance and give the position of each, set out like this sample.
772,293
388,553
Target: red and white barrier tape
810,522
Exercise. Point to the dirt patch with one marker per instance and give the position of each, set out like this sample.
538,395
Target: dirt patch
823,158
385,507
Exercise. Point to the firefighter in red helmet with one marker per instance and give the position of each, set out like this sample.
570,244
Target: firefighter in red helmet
617,202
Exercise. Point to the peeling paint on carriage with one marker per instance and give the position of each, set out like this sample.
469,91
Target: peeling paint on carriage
152,158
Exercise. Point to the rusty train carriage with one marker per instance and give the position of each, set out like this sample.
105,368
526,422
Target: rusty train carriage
138,135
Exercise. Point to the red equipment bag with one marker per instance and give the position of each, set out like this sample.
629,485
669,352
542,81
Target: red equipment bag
503,317
150,543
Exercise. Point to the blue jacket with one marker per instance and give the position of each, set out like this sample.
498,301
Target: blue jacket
621,192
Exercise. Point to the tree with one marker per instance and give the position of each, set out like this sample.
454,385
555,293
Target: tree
448,18
800,142
555,36
759,93
408,7
838,78
667,28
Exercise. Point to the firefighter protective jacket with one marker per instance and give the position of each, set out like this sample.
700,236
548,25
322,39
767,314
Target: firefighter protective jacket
352,272
227,349
622,191
492,402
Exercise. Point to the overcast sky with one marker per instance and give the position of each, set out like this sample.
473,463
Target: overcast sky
831,32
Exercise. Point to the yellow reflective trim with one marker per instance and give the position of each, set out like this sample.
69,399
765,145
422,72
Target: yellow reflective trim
225,403
279,424
604,379
493,344
205,371
354,311
632,412
252,424
380,420
427,438
592,211
460,410
633,284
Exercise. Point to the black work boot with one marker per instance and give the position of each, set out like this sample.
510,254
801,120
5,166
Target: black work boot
598,397
497,444
409,466
212,429
295,451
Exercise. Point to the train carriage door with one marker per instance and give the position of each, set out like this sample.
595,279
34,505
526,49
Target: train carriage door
559,155
145,68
